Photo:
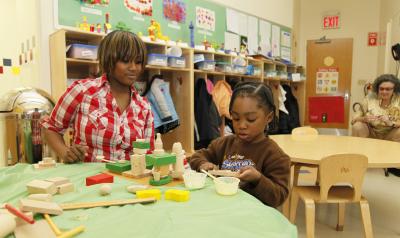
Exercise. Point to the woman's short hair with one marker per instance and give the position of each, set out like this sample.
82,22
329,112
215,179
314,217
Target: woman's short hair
121,46
386,78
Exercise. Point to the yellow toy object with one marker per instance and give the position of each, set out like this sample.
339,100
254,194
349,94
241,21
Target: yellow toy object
155,193
84,26
177,195
155,30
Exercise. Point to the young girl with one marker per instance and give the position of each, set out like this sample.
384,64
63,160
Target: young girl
264,168
107,113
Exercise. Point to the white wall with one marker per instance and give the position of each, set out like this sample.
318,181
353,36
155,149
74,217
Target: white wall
19,23
390,10
358,17
278,11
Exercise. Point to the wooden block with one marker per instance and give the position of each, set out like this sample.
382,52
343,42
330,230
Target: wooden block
160,160
66,188
58,180
40,186
100,178
141,145
38,230
45,197
48,160
177,195
119,167
7,224
27,205
138,151
136,187
149,193
72,206
225,173
130,174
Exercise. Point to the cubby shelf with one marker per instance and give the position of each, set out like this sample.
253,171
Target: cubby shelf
63,68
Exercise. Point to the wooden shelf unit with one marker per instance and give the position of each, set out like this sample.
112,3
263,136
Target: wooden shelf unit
181,79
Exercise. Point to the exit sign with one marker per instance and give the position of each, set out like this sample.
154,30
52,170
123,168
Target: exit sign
331,21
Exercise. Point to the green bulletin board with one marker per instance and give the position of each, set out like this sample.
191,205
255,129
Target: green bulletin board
71,12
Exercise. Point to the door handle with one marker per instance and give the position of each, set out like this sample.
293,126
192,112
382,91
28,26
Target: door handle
346,96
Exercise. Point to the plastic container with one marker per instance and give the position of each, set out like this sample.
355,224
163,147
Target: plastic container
226,185
81,51
194,180
157,59
206,65
237,69
223,67
176,62
257,71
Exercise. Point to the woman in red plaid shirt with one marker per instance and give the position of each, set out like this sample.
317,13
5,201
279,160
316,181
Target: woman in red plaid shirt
106,113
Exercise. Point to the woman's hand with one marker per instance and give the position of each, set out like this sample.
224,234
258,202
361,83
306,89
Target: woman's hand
208,166
249,174
74,154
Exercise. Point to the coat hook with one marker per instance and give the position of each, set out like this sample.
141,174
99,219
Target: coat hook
179,80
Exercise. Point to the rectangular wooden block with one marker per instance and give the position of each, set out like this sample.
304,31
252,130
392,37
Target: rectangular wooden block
119,167
225,173
141,144
58,180
130,174
160,160
100,178
27,205
66,188
72,206
41,186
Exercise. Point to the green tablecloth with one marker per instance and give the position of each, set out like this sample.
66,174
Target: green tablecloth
206,214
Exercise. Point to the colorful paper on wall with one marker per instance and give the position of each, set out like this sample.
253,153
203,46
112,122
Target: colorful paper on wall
205,18
174,10
16,70
143,7
327,80
7,62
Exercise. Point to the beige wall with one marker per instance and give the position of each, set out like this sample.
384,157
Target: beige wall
390,10
358,17
279,11
19,22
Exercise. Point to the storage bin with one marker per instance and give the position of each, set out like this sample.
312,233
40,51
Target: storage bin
237,69
257,71
157,59
206,65
81,51
177,62
223,67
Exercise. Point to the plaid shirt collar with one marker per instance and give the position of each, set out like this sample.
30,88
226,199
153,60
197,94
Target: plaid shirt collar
105,83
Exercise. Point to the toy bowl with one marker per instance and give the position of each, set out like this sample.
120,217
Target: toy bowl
194,180
226,185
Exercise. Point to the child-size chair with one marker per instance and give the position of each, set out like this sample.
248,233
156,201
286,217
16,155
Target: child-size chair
334,169
300,134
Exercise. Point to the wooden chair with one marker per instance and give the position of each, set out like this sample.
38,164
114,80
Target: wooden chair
334,169
300,134
304,130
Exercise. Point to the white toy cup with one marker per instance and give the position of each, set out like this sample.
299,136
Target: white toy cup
194,180
226,185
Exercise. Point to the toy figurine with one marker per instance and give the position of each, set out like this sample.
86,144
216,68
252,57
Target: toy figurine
156,29
91,27
107,25
84,26
98,28
191,28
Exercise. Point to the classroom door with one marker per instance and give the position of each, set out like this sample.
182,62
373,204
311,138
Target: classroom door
328,85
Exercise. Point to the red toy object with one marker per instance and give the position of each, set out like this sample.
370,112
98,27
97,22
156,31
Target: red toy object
100,178
19,214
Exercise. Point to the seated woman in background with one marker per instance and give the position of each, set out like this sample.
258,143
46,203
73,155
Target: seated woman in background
379,116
